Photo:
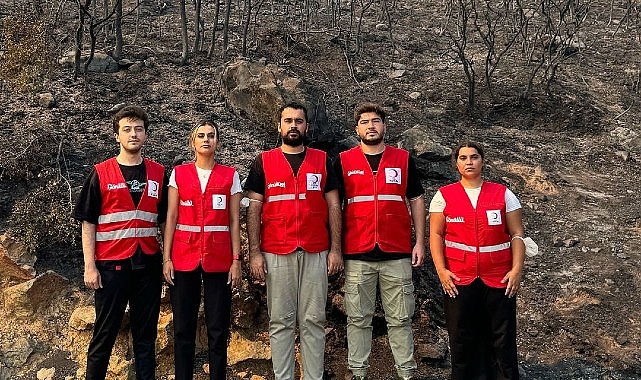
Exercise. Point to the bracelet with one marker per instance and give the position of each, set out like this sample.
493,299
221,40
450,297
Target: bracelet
166,261
236,256
518,237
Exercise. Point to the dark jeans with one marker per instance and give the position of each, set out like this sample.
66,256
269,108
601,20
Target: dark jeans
481,323
185,302
141,289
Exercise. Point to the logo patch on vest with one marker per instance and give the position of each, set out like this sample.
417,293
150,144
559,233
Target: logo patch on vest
494,218
314,181
153,188
276,184
458,219
219,202
188,202
353,172
116,186
393,175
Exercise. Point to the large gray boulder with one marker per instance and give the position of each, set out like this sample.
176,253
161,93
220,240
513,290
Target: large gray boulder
432,158
255,91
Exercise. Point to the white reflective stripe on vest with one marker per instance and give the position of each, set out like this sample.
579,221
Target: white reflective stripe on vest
188,228
360,198
126,233
470,248
390,197
494,248
302,196
216,228
282,197
369,198
123,216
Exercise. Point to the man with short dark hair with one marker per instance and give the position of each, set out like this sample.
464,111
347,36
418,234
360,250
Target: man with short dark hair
121,205
377,183
293,228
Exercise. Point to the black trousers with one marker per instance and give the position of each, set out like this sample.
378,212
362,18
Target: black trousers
481,323
141,289
185,302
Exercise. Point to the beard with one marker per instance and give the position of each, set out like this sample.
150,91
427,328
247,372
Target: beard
293,138
372,141
132,150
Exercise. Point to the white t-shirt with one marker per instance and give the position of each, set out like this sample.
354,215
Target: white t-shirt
203,177
511,201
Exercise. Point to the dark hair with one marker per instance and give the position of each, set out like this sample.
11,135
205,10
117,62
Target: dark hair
130,112
294,105
368,107
202,123
468,144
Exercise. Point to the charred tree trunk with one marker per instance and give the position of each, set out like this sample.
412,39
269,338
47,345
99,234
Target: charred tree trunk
183,29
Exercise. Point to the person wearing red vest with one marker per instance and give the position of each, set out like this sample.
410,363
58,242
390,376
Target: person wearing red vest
121,206
293,228
202,246
476,241
378,183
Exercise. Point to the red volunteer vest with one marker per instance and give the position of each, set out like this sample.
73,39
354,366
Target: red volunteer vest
295,212
121,226
202,233
477,243
375,211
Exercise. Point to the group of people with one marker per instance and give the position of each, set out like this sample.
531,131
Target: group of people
308,218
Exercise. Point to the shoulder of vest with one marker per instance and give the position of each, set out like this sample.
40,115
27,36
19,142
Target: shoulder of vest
493,185
397,150
105,163
449,187
184,166
271,151
350,151
225,168
316,152
153,163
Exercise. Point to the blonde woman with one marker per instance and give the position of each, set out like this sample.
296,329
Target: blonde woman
202,249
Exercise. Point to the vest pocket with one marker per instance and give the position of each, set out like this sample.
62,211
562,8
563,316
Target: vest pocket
184,236
455,254
501,257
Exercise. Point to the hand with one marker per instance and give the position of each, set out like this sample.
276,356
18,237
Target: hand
168,271
447,281
235,274
257,266
334,262
92,277
418,255
513,279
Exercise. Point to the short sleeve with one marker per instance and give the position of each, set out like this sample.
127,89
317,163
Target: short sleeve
414,186
511,201
89,200
235,186
332,182
172,179
438,202
256,177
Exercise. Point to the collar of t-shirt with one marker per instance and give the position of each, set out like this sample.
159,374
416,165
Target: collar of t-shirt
203,177
374,161
295,160
473,194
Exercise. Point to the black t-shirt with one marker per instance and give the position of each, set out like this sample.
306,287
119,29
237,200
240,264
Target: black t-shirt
414,189
256,178
89,205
